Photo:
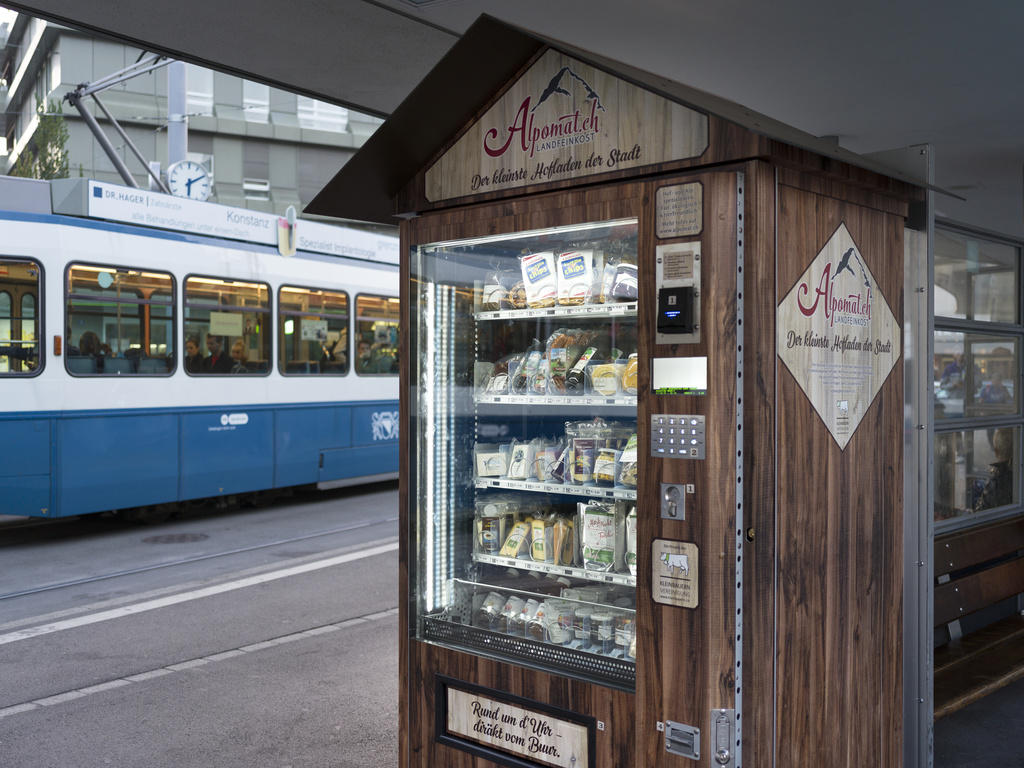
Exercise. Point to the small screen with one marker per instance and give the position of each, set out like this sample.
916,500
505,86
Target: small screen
679,375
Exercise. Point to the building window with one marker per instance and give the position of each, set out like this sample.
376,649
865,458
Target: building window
321,115
198,90
313,336
120,321
256,101
376,350
976,379
228,322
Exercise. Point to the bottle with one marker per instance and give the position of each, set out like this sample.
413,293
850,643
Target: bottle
574,381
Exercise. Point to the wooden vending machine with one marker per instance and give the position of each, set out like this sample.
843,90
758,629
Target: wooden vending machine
651,410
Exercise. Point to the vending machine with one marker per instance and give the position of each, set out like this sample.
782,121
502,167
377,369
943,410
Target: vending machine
651,487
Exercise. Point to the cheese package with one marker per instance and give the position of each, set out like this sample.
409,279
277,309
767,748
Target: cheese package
518,540
575,277
539,281
629,375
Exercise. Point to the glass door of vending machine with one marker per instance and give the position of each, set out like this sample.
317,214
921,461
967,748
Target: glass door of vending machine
524,447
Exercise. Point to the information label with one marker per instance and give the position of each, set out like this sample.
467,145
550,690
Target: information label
837,335
516,730
675,573
680,210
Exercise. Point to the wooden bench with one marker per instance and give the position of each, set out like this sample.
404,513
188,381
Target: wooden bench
975,569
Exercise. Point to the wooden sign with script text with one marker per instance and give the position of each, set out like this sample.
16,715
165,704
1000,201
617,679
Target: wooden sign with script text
516,730
564,119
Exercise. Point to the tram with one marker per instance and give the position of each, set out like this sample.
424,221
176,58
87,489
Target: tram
155,350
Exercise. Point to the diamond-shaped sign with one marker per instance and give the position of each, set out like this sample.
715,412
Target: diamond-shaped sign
837,335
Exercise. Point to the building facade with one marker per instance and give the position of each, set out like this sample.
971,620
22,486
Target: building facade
265,148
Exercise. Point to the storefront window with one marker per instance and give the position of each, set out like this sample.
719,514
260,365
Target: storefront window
976,379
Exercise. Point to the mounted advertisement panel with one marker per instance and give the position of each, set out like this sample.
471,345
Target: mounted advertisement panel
837,335
564,119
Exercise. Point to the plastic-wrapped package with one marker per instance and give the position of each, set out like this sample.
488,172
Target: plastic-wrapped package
521,382
604,466
539,281
626,471
488,615
575,277
599,536
624,286
517,541
629,375
520,461
631,540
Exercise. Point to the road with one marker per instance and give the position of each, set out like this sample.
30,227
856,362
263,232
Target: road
257,637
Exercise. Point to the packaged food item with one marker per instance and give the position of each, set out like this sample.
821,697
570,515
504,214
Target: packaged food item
558,471
581,624
575,378
544,459
599,536
584,453
603,632
516,624
562,539
517,296
604,378
495,292
527,371
604,466
564,348
575,277
520,461
560,622
536,625
488,615
542,540
491,461
627,465
608,280
539,281
509,612
517,541
625,630
631,540
629,375
624,286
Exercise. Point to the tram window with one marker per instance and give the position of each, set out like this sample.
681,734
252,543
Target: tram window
19,300
120,321
229,321
313,335
376,335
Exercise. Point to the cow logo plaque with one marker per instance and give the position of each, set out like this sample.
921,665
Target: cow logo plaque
674,573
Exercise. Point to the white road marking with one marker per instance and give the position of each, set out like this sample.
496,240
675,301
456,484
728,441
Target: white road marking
191,664
196,594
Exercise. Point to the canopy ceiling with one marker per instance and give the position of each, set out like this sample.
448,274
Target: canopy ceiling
874,75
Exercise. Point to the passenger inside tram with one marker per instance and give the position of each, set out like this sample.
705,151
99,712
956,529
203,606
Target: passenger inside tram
217,362
238,357
193,357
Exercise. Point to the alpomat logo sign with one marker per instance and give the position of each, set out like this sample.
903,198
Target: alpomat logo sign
837,335
564,119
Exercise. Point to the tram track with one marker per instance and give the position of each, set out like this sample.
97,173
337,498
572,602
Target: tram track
196,558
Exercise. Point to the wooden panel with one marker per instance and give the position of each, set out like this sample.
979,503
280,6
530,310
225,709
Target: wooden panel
978,545
759,466
839,517
978,664
972,593
687,656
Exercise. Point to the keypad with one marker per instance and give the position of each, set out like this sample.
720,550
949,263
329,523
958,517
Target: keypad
675,436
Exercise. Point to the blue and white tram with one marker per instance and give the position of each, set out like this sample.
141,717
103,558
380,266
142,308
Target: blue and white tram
143,367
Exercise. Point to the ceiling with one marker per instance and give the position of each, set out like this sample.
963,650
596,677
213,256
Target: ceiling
874,74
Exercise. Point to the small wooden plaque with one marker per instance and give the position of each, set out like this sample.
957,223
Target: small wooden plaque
675,573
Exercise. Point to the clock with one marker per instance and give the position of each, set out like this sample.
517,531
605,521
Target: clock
187,178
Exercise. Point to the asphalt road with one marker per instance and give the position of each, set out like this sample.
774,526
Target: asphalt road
259,637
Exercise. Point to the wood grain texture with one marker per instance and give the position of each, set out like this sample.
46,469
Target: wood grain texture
839,518
956,551
759,466
687,657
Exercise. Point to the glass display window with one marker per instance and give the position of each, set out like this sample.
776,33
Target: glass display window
525,449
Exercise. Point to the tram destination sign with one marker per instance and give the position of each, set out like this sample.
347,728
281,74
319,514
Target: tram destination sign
564,119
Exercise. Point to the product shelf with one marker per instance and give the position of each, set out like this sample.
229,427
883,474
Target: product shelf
591,401
591,491
625,309
556,570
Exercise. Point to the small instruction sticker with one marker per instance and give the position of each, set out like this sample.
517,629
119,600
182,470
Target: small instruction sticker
674,573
